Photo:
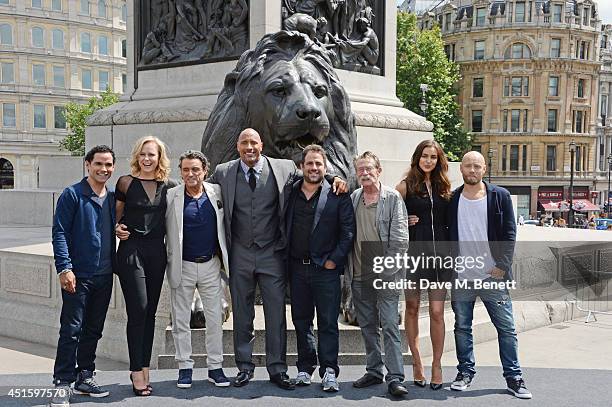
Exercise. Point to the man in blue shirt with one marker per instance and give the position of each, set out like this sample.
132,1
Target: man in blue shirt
195,241
84,252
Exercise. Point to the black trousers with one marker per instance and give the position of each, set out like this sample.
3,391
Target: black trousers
141,268
313,287
81,323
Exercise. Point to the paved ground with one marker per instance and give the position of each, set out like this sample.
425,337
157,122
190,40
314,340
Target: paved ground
568,364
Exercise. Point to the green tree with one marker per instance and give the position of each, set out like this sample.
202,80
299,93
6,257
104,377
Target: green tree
76,120
421,59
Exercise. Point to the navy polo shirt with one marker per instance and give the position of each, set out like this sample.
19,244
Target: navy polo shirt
199,228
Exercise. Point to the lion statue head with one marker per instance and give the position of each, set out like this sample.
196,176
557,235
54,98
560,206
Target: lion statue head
287,90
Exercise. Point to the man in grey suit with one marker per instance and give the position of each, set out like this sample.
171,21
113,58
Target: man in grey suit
255,190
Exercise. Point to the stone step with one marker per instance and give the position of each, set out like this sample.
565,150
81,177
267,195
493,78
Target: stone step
527,315
259,359
350,340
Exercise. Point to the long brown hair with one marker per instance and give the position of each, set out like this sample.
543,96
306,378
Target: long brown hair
415,178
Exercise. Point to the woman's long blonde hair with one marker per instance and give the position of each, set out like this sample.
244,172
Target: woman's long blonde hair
163,166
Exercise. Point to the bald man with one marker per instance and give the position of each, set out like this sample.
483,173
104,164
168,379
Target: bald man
255,190
481,220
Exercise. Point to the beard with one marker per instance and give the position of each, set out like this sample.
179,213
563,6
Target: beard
313,178
471,180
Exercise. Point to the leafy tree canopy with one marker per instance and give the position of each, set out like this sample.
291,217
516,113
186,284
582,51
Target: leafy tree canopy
421,59
76,120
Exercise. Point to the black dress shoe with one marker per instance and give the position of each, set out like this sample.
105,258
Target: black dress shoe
243,378
397,389
367,380
283,381
435,386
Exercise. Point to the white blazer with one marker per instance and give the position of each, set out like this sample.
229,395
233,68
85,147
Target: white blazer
174,230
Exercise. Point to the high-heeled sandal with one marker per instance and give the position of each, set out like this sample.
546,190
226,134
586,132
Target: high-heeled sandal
436,386
420,383
140,392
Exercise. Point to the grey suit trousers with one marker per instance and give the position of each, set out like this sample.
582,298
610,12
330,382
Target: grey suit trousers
378,308
249,267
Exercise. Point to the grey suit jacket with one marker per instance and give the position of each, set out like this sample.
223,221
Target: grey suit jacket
174,230
284,172
392,227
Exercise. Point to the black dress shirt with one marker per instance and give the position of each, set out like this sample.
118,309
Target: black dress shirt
303,218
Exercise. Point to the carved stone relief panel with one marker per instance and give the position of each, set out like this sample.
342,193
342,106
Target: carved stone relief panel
182,32
352,31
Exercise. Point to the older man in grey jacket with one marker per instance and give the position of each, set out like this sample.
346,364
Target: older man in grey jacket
382,230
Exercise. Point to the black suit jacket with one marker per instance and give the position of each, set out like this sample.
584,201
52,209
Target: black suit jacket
501,225
333,228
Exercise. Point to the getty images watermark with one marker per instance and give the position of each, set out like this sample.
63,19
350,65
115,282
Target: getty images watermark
467,269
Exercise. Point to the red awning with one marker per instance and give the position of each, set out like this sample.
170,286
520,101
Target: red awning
584,205
555,207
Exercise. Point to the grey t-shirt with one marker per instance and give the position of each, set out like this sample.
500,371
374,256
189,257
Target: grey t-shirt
365,219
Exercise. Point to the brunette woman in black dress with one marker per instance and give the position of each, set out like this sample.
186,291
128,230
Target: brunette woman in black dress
426,191
141,257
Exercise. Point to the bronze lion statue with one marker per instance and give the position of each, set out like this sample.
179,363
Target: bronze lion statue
286,89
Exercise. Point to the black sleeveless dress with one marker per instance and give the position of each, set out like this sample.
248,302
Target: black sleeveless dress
429,237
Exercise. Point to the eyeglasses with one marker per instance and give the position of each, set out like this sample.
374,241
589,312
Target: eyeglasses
368,169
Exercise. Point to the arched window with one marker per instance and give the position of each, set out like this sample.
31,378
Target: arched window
7,174
518,50
6,34
101,8
38,37
58,39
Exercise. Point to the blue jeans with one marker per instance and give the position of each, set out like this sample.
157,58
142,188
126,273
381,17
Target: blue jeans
499,308
81,324
315,287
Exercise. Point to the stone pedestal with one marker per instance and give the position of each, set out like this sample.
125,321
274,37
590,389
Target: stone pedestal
174,103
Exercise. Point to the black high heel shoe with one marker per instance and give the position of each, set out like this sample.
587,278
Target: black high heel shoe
436,386
420,383
146,392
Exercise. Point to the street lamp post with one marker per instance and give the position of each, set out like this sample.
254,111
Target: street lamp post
572,146
608,195
490,154
423,105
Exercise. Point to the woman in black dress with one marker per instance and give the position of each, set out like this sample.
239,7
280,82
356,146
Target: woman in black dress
141,257
426,192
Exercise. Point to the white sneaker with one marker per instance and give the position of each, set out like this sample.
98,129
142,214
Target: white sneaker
329,382
302,379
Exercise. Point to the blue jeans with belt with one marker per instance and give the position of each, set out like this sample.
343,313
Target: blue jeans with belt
499,308
314,287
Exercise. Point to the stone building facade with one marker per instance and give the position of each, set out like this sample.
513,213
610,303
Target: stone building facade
604,128
529,86
52,52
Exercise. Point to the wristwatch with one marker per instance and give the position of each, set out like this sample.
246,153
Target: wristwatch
64,271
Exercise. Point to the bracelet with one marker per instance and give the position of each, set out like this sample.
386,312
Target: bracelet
64,271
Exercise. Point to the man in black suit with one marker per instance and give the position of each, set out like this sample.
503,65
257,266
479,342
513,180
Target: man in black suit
320,232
